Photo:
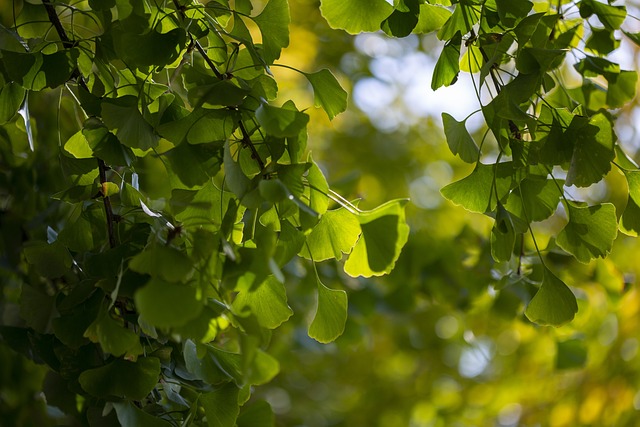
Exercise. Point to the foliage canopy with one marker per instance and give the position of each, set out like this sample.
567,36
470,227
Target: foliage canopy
151,242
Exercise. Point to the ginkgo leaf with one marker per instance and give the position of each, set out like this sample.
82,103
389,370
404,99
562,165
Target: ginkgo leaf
327,92
266,301
593,152
355,16
503,236
459,140
335,234
165,304
590,232
221,405
384,233
273,22
331,314
554,304
476,192
431,18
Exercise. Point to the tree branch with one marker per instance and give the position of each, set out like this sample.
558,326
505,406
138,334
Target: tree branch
102,167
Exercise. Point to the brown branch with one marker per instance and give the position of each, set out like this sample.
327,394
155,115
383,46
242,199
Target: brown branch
102,167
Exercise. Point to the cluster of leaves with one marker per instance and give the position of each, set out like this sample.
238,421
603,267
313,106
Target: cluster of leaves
152,286
543,129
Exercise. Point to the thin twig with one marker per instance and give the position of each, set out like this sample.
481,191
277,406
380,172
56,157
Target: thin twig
246,141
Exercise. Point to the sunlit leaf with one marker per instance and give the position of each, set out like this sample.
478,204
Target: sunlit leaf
431,18
554,304
335,234
384,233
282,122
327,92
273,22
610,16
266,301
477,192
592,153
447,68
459,140
331,314
355,16
590,232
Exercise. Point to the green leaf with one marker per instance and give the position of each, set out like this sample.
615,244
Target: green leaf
464,16
130,416
331,314
512,11
570,354
149,49
281,122
78,146
266,301
112,336
36,70
335,234
431,18
621,88
122,379
37,308
221,405
195,164
201,126
503,236
602,41
273,22
212,364
163,262
236,180
592,152
476,192
318,189
630,220
447,68
50,260
554,304
403,19
459,140
327,92
165,304
11,98
535,198
384,233
132,129
610,16
590,232
219,93
355,16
